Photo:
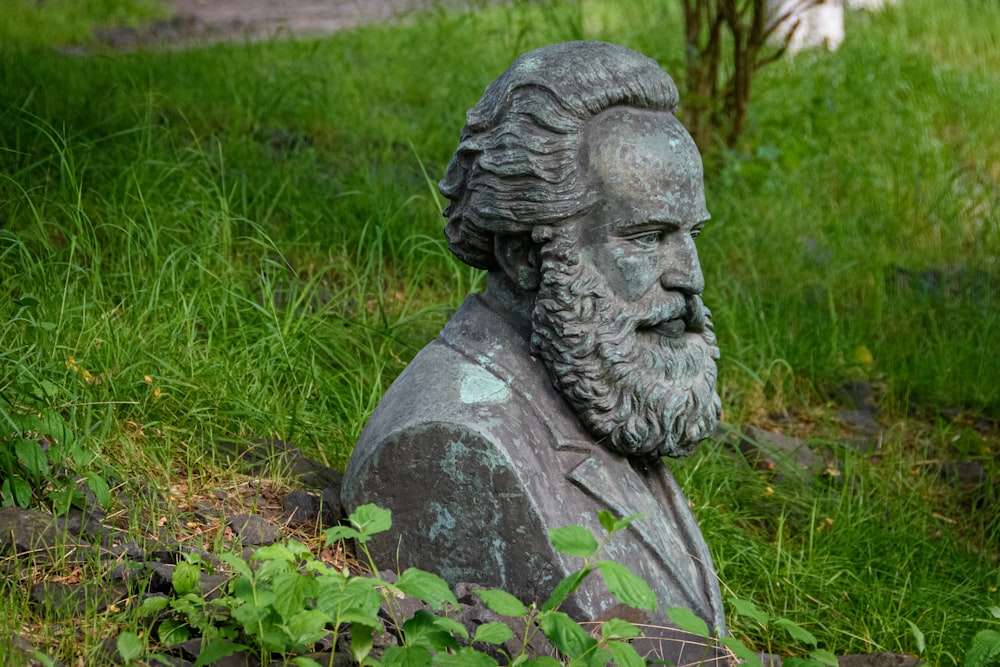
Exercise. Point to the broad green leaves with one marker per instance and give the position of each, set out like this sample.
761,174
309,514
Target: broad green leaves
627,587
574,541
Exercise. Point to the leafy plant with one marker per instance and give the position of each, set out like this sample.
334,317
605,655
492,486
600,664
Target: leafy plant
42,460
291,600
768,624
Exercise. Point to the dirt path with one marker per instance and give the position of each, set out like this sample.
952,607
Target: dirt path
268,18
193,22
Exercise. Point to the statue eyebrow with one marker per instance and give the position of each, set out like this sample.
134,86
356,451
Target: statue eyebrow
632,226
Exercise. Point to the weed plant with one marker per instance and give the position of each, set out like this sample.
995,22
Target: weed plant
244,240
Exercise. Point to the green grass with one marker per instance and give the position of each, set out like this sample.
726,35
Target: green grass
244,241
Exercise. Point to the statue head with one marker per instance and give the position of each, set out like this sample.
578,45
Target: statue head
576,186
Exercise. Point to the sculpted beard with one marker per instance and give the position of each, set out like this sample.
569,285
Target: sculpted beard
642,393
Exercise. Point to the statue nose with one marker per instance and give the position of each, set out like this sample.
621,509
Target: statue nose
681,268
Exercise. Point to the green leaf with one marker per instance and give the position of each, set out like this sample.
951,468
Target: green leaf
422,630
688,621
19,490
493,633
748,609
129,646
291,590
544,661
370,519
984,650
740,650
99,486
607,520
995,612
617,628
213,650
598,657
152,605
238,564
566,634
338,533
564,588
574,541
796,631
625,522
918,636
306,628
303,661
172,631
824,656
451,626
625,655
464,657
274,552
406,656
427,587
627,587
349,600
299,550
31,455
362,640
186,578
502,603
249,615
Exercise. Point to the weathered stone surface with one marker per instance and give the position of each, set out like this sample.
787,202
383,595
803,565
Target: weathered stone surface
963,474
35,532
300,507
781,453
254,530
72,600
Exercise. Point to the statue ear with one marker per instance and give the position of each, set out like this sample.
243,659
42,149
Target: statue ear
518,258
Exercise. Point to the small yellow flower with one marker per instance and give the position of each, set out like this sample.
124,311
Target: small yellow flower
148,379
863,355
768,491
156,394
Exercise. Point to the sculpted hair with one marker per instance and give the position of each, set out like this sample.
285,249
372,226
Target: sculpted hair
515,170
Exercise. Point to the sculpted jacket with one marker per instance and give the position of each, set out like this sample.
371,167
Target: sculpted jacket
478,457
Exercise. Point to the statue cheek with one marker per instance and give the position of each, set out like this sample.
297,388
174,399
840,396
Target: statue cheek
635,276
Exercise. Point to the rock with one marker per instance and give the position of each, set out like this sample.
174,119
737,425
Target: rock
26,531
863,428
774,451
74,600
254,530
858,395
23,653
966,474
300,507
330,508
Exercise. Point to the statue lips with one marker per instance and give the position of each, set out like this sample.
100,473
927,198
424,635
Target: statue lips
675,317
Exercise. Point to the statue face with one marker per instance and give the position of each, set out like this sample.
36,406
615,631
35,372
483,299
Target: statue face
618,318
647,176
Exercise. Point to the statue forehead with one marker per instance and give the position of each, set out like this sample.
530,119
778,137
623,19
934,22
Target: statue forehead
645,155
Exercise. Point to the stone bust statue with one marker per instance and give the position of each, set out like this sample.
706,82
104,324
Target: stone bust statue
590,355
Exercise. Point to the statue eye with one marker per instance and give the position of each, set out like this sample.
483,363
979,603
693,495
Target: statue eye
648,240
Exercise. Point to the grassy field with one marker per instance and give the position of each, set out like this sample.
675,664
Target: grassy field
244,240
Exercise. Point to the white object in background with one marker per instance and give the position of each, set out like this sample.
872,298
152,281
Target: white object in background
819,23
871,5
